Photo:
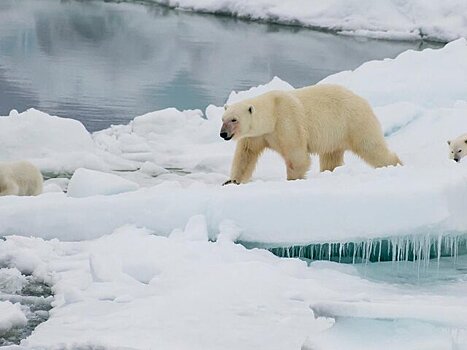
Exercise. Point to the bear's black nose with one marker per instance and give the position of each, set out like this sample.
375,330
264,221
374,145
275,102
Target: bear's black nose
457,160
223,135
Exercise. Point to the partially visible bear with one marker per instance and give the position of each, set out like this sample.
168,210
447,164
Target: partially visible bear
20,178
458,148
323,119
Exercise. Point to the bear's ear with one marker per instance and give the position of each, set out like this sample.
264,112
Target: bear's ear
449,143
251,109
225,107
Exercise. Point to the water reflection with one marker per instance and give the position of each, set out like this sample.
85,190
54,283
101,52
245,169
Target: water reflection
105,63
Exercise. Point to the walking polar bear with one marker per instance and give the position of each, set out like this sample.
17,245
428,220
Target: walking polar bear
20,178
323,119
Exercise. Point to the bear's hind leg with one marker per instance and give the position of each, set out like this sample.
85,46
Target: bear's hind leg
9,189
330,161
36,187
297,164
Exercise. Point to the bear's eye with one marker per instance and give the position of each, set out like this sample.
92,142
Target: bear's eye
459,151
234,120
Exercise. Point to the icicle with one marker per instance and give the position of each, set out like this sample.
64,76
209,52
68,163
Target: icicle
370,247
420,248
401,249
407,248
379,252
394,249
419,256
354,253
363,255
415,246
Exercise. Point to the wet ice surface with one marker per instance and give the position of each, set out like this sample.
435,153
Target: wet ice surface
446,276
31,297
439,274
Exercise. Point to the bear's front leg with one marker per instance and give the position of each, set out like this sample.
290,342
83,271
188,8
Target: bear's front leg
228,182
298,163
245,159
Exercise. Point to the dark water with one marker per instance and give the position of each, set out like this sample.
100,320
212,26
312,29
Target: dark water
35,299
105,63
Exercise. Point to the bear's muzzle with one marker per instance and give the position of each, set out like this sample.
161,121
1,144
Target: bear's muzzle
226,131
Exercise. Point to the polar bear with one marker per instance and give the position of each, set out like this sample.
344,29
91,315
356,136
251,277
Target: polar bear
458,147
322,119
20,178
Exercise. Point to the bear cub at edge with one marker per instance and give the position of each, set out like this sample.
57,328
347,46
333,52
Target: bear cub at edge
458,148
322,119
20,178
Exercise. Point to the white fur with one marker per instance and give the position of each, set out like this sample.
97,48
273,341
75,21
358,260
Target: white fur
20,178
458,148
322,119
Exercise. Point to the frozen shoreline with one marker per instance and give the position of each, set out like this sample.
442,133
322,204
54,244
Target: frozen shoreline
389,19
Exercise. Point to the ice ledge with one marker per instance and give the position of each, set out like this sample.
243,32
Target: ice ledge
391,202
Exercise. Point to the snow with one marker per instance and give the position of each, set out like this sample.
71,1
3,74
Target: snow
368,206
429,83
389,19
168,288
179,161
11,280
10,316
141,251
152,169
87,183
56,145
133,289
274,84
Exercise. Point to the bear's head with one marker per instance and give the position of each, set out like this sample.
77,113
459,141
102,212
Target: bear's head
236,120
458,148
248,118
